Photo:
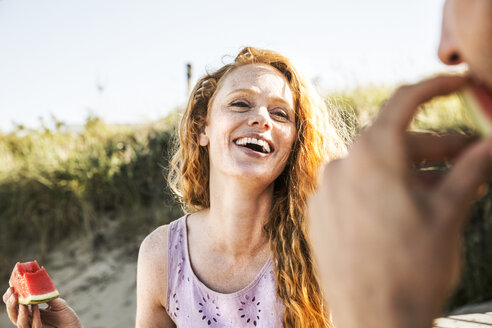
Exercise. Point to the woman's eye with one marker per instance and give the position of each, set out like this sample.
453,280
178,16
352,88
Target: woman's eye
281,114
240,104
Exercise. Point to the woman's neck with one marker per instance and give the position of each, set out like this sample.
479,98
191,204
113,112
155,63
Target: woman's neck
236,217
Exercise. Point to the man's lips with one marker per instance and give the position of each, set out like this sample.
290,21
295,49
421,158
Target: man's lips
477,98
483,96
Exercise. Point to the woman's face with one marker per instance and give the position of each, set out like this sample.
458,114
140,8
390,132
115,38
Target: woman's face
251,125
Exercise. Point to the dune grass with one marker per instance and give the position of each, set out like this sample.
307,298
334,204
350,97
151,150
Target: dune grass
57,184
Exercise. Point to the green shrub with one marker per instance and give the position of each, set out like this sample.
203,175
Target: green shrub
57,184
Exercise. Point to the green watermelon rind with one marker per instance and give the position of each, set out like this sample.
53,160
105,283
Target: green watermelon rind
38,299
481,121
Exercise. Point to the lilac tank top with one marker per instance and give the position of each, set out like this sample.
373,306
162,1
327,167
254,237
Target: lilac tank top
192,304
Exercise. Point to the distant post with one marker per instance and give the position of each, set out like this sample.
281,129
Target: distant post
189,75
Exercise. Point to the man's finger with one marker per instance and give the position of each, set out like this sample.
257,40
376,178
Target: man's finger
7,294
12,308
36,318
400,109
49,315
57,304
23,319
435,148
458,189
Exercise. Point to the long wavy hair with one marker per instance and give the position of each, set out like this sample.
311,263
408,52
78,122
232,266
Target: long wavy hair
317,141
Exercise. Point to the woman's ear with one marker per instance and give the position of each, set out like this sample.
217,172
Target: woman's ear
203,138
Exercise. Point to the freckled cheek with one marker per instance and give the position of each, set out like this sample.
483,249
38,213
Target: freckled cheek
223,126
221,142
286,137
217,143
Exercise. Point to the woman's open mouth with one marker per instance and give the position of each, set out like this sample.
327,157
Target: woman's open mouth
255,144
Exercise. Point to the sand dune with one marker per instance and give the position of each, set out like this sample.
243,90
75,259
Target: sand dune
98,282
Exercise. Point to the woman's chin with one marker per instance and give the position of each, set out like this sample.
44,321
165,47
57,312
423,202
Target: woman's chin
252,176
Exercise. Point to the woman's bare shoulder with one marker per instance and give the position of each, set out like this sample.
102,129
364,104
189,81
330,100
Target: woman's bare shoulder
152,263
152,280
155,243
153,250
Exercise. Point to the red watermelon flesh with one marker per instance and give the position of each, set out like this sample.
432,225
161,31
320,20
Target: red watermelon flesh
32,283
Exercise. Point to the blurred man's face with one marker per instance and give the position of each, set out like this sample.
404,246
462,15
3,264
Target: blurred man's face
467,37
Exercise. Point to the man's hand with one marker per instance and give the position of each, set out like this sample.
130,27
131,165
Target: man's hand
57,314
387,243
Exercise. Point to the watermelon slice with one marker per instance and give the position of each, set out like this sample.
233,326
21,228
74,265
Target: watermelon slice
32,283
478,99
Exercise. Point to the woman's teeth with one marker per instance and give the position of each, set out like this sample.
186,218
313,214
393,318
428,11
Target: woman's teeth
248,142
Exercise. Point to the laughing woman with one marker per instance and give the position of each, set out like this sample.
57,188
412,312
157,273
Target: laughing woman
250,143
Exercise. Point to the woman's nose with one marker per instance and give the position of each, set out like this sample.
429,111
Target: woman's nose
260,118
449,52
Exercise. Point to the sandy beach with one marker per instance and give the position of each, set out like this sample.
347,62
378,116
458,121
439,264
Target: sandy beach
97,280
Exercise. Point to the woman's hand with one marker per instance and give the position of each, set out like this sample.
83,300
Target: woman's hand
57,314
387,243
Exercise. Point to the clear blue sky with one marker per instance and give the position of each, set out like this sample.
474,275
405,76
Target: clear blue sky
54,53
